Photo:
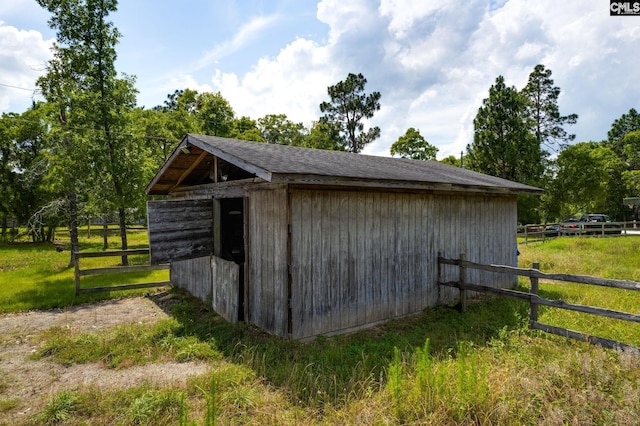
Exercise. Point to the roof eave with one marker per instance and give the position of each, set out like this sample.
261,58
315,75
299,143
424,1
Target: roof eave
399,184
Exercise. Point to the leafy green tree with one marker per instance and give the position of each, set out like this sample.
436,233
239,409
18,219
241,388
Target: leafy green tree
7,171
452,160
177,117
246,129
413,145
82,80
154,128
623,140
543,112
631,176
67,152
586,173
215,114
278,129
348,107
28,139
502,144
629,122
324,135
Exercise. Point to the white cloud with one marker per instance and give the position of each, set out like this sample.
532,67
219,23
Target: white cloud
293,83
23,57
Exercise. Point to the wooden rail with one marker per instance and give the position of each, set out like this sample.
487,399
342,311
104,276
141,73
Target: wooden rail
535,300
114,270
541,232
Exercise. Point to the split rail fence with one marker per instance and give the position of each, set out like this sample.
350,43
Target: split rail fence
535,300
115,269
541,232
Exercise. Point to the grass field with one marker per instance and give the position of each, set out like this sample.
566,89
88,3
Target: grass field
37,276
440,367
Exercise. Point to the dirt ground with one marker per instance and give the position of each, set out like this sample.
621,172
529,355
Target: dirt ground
31,383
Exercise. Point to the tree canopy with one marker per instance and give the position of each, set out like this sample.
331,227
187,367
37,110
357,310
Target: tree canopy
413,145
543,111
348,107
502,144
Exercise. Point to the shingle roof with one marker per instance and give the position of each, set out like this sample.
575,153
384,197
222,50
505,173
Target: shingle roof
280,163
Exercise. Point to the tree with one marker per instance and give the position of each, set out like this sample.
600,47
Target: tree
623,139
324,135
628,122
543,112
81,79
27,195
502,144
215,114
246,129
413,145
278,129
504,147
349,105
586,175
452,160
631,176
7,171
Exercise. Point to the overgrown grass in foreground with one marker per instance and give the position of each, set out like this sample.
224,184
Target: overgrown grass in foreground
440,367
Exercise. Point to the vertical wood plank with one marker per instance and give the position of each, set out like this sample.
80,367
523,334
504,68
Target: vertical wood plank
361,258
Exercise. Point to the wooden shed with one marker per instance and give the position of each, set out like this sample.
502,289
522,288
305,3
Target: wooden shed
304,242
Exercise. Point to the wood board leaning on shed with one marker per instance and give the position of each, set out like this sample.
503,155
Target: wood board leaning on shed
325,242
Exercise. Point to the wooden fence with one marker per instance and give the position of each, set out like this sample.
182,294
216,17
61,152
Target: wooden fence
535,300
115,269
540,232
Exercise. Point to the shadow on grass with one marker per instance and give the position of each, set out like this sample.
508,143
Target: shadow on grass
331,370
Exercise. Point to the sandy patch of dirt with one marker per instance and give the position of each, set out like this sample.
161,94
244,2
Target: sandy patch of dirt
30,383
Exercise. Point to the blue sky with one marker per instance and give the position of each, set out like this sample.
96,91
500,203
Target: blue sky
432,61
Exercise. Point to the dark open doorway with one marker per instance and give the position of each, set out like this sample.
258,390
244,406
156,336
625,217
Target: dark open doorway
232,241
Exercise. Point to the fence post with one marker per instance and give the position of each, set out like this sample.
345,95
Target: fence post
76,266
533,306
462,294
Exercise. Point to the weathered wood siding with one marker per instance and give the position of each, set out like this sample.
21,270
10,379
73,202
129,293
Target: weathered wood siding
193,275
359,258
180,229
212,280
225,288
267,293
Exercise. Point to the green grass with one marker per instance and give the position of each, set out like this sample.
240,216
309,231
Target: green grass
440,367
37,276
616,258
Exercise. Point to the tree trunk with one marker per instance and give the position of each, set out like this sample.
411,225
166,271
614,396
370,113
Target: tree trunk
105,229
4,227
73,225
123,233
